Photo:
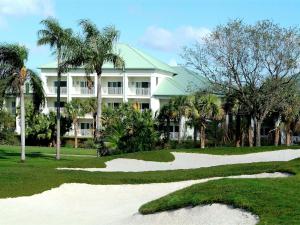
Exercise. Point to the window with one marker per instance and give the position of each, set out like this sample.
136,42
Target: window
114,84
27,87
176,128
84,84
85,126
13,108
62,104
142,84
62,83
145,106
113,104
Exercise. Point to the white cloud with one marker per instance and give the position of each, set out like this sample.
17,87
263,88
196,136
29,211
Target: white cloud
171,40
25,8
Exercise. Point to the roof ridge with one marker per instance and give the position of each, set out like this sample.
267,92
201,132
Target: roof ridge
136,51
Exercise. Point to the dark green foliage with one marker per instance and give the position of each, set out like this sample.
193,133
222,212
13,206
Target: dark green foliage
129,130
7,128
41,128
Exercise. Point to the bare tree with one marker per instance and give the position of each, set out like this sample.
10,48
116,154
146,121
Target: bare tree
254,62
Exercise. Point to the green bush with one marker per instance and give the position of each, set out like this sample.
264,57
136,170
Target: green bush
89,143
129,130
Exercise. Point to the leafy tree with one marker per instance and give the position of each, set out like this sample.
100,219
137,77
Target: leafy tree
7,127
61,42
14,75
255,62
99,49
204,107
75,109
41,128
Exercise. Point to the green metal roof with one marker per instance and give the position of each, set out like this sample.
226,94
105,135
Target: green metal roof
184,83
134,59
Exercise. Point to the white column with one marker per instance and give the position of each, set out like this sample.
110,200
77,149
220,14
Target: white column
69,87
125,87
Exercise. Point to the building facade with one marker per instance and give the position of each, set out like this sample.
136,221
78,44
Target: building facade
145,80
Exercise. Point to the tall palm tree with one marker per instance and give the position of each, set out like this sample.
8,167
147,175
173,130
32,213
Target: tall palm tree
181,108
59,40
99,49
13,77
75,109
204,107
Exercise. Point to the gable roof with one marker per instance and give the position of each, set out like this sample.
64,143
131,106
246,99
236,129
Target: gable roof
134,59
184,83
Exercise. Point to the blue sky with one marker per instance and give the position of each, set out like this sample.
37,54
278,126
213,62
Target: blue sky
159,27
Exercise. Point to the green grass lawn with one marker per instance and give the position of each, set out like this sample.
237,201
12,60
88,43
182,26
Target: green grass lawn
276,201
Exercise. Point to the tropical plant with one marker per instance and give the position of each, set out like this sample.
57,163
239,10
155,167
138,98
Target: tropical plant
13,77
99,49
60,41
181,105
166,114
128,129
204,107
75,109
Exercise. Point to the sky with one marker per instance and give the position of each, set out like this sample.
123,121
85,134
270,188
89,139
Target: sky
158,27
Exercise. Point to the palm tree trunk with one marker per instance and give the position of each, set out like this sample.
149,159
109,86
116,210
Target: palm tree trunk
202,136
179,129
168,129
99,104
58,108
75,122
22,123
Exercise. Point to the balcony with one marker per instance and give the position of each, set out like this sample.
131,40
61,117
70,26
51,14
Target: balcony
112,90
140,91
86,132
53,90
83,91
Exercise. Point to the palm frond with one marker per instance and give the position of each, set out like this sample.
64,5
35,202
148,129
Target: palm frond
38,90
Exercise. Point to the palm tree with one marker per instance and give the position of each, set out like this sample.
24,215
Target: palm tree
75,109
59,40
181,109
204,107
99,49
166,114
13,77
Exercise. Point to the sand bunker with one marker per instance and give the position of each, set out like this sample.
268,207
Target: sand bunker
192,161
85,204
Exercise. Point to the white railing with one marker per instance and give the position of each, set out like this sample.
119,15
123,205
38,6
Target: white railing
53,90
140,91
112,90
53,109
86,132
173,135
83,90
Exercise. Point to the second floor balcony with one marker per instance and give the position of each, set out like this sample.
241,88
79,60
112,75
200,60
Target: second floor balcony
112,90
53,90
83,90
139,91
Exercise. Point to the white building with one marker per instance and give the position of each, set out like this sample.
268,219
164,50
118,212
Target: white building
145,80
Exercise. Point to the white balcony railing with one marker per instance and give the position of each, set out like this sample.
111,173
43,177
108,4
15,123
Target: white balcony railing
173,135
83,90
112,90
140,91
53,90
86,132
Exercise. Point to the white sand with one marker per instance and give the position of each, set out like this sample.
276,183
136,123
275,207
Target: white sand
84,204
192,160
